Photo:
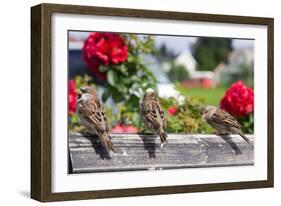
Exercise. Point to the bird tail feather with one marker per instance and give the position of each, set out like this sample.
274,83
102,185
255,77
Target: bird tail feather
163,137
106,143
244,137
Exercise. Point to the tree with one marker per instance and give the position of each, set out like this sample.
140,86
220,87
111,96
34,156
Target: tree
163,53
178,73
209,52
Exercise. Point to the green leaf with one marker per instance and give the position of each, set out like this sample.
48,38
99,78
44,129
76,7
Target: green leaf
73,119
103,68
123,69
117,96
111,77
106,95
136,119
122,88
126,81
148,72
130,59
133,102
78,80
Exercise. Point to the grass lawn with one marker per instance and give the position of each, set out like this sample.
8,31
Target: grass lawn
210,96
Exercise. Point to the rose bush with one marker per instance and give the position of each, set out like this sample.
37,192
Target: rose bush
102,48
238,100
184,114
118,60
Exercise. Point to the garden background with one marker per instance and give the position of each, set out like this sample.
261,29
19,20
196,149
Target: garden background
186,72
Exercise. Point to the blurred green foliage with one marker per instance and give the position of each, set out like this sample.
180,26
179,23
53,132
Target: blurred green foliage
246,74
178,73
209,52
243,72
247,123
187,118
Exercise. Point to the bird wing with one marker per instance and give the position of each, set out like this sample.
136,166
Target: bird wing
95,115
162,115
222,117
153,113
148,111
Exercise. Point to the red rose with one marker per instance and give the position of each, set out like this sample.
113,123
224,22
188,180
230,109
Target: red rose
119,128
172,111
71,96
104,49
238,100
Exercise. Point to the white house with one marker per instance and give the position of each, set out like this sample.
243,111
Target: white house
238,59
187,60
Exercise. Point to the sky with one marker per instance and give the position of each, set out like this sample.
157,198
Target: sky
176,44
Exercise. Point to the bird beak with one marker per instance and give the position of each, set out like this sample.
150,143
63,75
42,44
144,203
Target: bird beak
78,91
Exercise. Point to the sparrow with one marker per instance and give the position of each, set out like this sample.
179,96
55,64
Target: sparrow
222,121
92,116
153,116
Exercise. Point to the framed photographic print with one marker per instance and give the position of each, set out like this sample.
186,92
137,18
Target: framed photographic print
132,102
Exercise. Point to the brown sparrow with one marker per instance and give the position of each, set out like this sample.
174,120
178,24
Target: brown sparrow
91,114
222,121
153,116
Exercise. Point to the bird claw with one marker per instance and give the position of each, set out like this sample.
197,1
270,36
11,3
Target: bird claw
111,154
162,144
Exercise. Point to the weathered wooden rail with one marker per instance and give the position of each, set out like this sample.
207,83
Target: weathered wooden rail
143,152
